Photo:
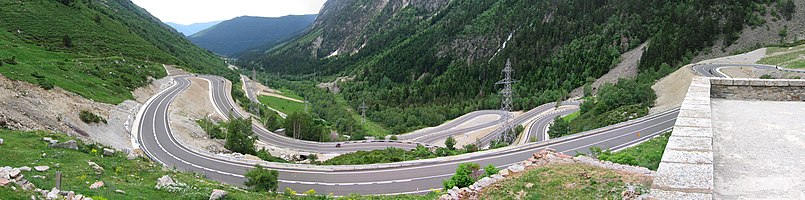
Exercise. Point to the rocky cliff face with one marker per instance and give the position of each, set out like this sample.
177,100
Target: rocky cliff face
347,24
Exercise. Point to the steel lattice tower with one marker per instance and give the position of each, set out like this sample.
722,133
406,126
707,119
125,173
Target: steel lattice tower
363,111
507,134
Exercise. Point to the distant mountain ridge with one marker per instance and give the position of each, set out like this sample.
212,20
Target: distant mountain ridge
241,33
193,28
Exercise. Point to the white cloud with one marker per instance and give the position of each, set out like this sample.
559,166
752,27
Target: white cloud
195,11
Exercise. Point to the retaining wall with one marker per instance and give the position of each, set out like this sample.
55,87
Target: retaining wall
759,89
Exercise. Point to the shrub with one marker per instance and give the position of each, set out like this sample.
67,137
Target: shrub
264,155
239,136
466,175
450,143
469,148
261,179
89,117
44,83
766,76
490,170
212,129
393,137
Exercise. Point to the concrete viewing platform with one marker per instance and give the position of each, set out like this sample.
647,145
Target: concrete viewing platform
736,139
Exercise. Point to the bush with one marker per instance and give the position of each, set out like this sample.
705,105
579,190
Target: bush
393,137
469,148
450,143
466,175
44,83
766,76
239,136
490,170
89,117
212,129
261,179
559,128
264,155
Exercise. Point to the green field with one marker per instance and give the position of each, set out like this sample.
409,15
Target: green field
291,94
136,177
578,181
787,59
283,105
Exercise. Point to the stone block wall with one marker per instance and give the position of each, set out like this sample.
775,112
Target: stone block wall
759,89
686,168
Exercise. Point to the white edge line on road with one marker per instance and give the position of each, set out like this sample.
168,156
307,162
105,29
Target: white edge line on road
135,128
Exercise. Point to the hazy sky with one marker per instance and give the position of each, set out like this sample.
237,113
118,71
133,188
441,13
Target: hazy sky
195,11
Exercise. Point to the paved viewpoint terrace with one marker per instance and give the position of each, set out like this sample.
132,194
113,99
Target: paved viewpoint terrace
759,149
736,139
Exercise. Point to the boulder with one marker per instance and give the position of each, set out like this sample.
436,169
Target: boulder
2,141
70,195
165,181
98,169
96,185
504,172
47,139
25,168
41,168
516,168
218,194
482,183
28,186
120,191
453,191
53,194
4,182
108,152
14,173
70,144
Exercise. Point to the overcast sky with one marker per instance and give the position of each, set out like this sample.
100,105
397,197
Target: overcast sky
195,11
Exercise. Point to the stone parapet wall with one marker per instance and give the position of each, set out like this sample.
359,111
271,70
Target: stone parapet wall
686,168
758,89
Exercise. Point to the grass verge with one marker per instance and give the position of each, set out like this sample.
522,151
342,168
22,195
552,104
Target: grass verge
571,116
647,154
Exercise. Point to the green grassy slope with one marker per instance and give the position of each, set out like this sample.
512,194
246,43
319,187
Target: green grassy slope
102,49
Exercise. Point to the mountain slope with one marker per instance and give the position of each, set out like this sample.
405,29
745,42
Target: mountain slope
99,49
191,29
241,33
420,61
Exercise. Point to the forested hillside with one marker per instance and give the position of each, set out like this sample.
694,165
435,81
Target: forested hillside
241,33
99,49
417,63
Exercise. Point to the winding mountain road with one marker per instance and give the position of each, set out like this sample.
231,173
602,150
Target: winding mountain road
407,177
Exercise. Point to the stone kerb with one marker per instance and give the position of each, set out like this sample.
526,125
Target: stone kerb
686,169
